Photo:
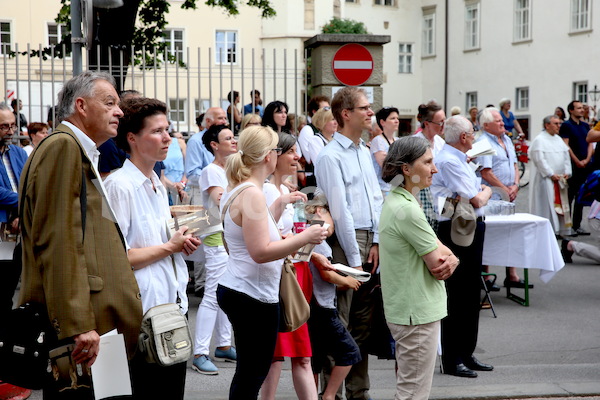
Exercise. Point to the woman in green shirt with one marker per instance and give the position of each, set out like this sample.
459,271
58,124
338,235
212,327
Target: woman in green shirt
414,264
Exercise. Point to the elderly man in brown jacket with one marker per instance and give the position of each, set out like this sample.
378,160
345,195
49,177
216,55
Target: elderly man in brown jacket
74,256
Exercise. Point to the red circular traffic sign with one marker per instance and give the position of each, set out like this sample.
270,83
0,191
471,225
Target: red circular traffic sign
352,64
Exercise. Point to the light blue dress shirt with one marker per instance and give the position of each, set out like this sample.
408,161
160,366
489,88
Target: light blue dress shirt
345,173
454,178
196,158
502,164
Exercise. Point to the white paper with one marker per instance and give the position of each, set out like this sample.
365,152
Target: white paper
481,148
110,372
360,276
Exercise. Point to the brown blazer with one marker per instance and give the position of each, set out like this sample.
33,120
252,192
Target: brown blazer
86,281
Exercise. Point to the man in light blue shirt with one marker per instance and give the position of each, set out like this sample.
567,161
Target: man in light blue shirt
456,179
345,174
499,171
197,157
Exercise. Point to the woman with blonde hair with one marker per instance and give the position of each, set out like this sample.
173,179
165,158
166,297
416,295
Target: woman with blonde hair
322,120
250,120
248,291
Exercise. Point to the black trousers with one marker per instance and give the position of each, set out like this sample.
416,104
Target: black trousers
461,326
10,272
575,181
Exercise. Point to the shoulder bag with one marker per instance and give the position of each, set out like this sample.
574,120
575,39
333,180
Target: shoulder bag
165,337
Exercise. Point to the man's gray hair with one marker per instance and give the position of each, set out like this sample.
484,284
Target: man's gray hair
210,113
4,107
548,119
487,115
81,85
456,126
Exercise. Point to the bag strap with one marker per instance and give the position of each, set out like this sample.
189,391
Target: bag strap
178,301
224,211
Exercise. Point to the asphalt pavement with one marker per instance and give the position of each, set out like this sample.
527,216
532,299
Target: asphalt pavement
549,349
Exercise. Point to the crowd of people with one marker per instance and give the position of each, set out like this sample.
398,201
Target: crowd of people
98,253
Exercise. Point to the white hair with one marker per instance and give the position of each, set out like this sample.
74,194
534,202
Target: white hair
456,125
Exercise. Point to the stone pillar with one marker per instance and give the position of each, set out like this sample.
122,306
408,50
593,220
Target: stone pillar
322,49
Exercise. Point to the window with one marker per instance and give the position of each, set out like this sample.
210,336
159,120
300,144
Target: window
5,37
226,47
472,26
200,106
471,100
522,20
580,90
55,33
405,58
580,15
384,2
522,98
177,110
428,32
174,40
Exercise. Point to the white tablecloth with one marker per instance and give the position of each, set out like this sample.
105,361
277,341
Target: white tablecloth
524,241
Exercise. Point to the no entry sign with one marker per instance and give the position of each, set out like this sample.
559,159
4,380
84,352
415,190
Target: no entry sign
352,64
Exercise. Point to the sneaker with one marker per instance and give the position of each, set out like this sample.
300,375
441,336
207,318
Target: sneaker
229,355
204,365
581,232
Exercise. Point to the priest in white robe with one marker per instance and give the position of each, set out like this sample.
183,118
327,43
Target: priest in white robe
550,165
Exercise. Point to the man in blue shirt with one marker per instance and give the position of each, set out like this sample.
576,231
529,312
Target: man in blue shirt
501,173
257,106
346,175
574,133
455,179
13,160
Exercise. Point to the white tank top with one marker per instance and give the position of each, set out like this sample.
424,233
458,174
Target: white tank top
259,281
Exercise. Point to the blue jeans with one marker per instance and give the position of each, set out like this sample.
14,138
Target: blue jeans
255,326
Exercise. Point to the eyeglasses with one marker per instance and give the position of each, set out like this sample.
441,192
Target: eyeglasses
362,108
326,108
441,123
278,150
6,127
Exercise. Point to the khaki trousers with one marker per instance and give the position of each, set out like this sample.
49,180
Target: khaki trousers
416,349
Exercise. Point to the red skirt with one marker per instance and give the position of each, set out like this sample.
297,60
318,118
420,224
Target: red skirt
297,343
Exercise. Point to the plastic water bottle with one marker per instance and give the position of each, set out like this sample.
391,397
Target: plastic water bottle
300,221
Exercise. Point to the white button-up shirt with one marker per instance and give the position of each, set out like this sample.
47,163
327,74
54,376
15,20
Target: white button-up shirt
142,214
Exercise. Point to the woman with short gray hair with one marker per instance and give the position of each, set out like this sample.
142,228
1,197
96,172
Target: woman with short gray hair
414,295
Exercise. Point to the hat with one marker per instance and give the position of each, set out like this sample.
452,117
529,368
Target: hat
464,223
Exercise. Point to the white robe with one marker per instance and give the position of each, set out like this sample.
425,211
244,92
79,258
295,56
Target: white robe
549,155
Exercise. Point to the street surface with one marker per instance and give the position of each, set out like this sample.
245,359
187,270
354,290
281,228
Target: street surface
549,349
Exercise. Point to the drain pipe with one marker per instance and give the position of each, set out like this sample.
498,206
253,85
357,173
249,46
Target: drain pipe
446,58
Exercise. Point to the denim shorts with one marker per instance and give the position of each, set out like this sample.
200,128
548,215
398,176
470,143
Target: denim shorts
329,337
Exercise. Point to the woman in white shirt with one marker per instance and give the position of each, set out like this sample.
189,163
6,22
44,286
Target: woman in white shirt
219,140
141,208
248,291
322,120
388,120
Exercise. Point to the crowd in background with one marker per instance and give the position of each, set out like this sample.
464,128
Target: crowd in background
255,166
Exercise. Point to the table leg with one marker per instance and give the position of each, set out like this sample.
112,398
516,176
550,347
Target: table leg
524,301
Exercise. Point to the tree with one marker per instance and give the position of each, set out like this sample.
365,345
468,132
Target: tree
115,31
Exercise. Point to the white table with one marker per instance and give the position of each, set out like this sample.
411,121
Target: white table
525,241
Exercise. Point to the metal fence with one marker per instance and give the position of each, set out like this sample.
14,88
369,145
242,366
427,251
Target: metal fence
190,83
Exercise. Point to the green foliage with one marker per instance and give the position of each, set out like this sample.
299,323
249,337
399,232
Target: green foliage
148,32
337,25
